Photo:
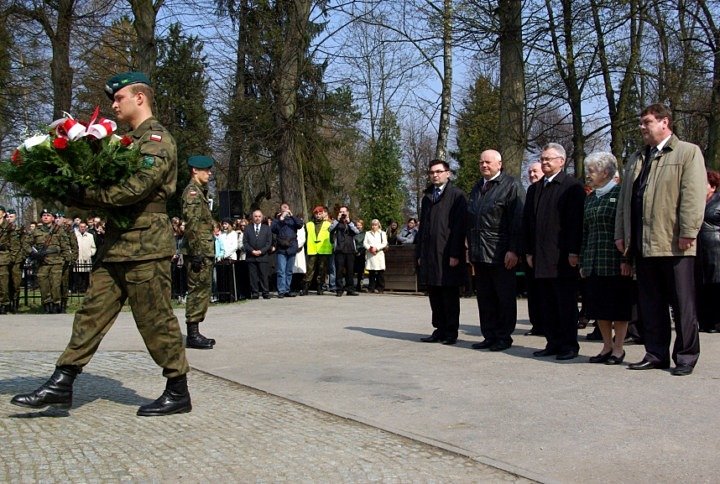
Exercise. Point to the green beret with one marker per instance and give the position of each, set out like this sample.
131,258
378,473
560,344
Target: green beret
45,210
59,214
200,161
12,211
125,79
2,208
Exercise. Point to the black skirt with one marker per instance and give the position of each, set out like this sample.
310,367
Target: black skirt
608,298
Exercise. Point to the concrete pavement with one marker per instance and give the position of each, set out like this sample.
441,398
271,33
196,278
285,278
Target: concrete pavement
359,358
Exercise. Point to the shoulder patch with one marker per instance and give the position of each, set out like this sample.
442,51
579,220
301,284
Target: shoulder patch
192,193
155,137
148,161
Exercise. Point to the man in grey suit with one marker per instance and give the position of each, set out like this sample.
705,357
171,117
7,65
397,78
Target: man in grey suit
257,242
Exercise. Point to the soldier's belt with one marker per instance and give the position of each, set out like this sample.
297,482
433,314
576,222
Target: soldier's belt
155,207
3,247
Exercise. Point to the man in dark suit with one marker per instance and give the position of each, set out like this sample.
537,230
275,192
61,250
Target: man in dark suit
660,211
495,239
257,241
440,251
553,225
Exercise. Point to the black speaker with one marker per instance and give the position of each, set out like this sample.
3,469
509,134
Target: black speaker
231,204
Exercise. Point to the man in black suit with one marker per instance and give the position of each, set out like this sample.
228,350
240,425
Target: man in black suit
440,251
257,241
553,225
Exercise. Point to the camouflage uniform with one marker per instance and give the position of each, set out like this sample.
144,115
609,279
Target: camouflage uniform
7,253
199,239
50,240
21,250
71,256
134,264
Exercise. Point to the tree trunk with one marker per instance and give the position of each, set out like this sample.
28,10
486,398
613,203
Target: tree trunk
712,153
446,95
61,73
145,13
287,75
235,136
511,129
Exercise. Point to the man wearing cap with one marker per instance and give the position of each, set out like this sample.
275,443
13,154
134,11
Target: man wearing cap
6,260
133,264
70,256
319,249
201,250
48,250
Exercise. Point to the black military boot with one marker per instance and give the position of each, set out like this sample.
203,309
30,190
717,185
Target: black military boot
305,289
195,339
210,340
58,308
56,392
175,399
3,309
48,308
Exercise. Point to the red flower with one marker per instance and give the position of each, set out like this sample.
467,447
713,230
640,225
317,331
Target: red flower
16,158
60,143
126,141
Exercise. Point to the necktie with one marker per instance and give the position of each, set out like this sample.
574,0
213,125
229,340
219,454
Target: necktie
257,230
436,194
485,187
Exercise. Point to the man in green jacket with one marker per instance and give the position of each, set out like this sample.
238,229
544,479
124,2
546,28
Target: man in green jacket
660,210
201,250
134,262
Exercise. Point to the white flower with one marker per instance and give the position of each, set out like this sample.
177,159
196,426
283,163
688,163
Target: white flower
34,141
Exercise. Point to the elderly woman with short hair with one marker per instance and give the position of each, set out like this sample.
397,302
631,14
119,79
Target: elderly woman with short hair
608,287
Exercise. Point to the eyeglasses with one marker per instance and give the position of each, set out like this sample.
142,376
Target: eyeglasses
549,158
436,172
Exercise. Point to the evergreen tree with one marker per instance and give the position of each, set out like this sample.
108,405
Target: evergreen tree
476,130
180,92
380,182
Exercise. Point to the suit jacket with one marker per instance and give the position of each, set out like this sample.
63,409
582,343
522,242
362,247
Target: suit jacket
442,236
261,242
553,225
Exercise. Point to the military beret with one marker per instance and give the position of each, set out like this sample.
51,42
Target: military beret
2,208
11,211
199,161
45,210
59,214
119,81
318,209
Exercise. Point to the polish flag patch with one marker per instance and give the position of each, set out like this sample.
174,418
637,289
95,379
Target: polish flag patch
155,137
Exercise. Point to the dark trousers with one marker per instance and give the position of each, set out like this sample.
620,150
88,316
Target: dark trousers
496,299
534,303
376,280
665,282
258,271
242,278
344,265
317,269
558,297
445,306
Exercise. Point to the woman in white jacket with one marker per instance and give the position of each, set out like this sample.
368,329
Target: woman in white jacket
375,243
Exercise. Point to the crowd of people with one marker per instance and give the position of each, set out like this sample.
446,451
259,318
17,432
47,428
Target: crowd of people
284,256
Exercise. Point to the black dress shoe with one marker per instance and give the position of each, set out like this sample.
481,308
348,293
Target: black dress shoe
500,346
545,352
534,332
483,345
339,293
433,338
566,355
615,360
175,399
280,295
255,296
601,357
352,293
681,370
266,295
449,341
648,365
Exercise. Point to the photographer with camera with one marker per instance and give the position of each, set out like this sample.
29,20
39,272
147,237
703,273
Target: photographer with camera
284,228
343,231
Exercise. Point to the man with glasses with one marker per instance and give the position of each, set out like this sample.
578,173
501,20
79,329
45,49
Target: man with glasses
440,251
553,226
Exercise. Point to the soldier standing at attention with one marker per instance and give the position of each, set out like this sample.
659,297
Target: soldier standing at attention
49,246
6,260
70,255
133,263
201,250
20,251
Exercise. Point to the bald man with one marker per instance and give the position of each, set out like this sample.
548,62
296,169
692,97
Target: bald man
494,237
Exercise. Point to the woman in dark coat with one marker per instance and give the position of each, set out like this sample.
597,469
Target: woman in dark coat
708,258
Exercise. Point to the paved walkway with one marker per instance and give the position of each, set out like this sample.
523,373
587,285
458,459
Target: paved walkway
358,359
